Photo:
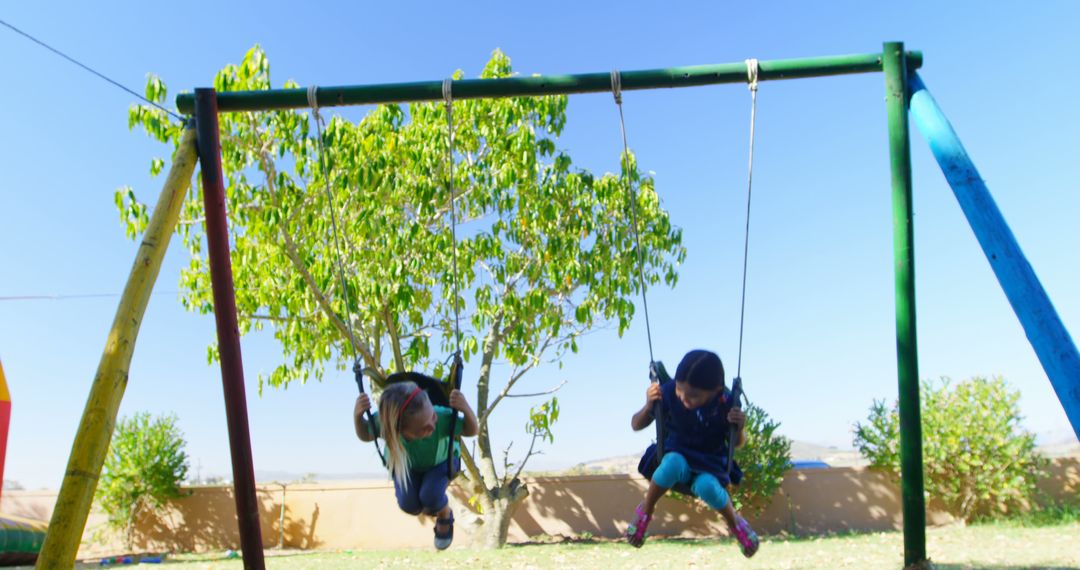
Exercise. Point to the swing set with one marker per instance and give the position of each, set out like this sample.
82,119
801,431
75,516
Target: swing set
905,94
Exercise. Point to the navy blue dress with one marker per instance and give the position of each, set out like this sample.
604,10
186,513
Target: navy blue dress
699,435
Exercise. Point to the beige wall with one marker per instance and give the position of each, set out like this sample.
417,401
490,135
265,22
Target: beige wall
365,515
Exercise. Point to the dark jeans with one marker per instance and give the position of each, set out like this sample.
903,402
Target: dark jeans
427,490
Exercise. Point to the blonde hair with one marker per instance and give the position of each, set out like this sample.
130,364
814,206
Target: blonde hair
391,418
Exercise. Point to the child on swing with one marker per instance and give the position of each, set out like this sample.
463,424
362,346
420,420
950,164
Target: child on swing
698,417
416,435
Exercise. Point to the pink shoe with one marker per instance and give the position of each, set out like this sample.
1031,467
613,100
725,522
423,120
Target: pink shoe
635,533
748,539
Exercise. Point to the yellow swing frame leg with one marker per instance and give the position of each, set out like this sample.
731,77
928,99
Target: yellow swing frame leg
99,417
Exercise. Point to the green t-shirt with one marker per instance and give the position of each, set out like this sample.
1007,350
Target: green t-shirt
430,451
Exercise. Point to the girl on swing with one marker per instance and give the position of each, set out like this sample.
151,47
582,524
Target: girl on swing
698,417
417,435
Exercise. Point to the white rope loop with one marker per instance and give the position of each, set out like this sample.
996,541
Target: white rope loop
616,86
752,72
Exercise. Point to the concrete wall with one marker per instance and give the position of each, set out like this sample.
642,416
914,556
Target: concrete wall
364,514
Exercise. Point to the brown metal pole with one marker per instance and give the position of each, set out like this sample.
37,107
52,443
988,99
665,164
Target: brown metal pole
232,367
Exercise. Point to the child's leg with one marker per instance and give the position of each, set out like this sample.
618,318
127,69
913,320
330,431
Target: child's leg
408,499
709,489
434,501
432,490
672,469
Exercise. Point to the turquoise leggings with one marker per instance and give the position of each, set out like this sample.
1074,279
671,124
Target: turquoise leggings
674,469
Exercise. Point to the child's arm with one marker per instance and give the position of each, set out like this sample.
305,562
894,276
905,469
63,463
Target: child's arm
644,417
459,403
363,404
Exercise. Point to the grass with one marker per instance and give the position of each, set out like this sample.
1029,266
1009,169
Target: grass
995,547
1046,516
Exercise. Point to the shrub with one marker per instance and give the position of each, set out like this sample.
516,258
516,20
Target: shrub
976,457
144,468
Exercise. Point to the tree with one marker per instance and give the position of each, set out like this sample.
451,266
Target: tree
977,459
144,469
545,251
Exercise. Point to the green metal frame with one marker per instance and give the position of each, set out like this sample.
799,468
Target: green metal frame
911,469
893,61
231,101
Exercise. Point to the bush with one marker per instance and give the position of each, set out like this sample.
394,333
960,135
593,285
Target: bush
144,468
976,458
764,460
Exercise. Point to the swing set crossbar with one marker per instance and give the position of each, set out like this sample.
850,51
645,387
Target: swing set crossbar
541,85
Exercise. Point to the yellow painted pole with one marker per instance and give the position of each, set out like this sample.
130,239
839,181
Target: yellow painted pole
96,428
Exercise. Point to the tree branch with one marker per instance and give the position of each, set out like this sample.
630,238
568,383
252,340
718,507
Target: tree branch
276,319
266,164
534,360
545,393
483,383
474,472
529,454
395,341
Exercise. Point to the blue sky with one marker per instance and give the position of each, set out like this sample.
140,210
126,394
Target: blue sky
820,343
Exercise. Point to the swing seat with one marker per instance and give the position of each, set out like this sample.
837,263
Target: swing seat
438,391
650,460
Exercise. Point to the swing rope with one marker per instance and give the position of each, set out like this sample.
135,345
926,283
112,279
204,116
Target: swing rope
455,368
737,394
616,90
752,70
312,96
448,98
654,375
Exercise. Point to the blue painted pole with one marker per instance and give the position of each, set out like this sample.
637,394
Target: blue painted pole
1043,326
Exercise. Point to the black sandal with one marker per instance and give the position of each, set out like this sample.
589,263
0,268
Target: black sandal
443,540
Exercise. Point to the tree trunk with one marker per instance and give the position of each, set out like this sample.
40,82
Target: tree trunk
499,513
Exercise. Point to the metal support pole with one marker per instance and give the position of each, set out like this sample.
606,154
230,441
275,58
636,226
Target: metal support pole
1043,326
907,355
228,333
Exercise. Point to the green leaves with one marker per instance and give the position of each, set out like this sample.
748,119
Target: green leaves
133,214
155,88
144,468
541,418
977,458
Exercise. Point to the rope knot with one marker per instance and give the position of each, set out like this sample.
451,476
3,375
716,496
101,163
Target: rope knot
448,91
752,70
616,86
